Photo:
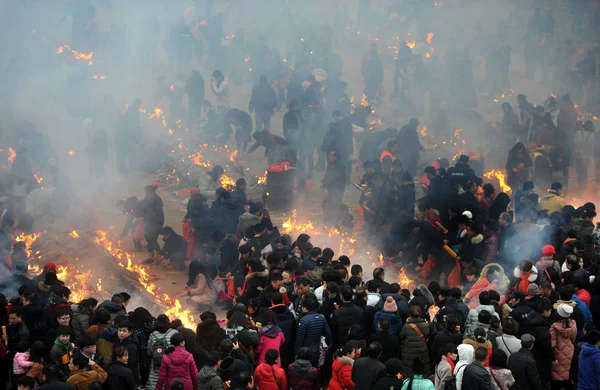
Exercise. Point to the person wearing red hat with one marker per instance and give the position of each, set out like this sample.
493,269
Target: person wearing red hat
48,267
548,268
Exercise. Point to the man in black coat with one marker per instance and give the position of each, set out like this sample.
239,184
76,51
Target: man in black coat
340,139
292,125
461,173
433,197
266,294
238,195
389,342
175,247
154,217
523,367
343,318
475,376
254,281
520,309
335,176
539,327
379,276
224,212
368,370
263,101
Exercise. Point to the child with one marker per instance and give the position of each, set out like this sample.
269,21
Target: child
62,350
25,383
21,363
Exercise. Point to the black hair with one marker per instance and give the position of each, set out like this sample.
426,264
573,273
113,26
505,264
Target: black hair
126,324
375,349
593,337
26,381
244,379
544,304
345,350
393,366
345,260
347,293
86,341
429,169
271,356
484,298
102,316
22,346
356,269
80,361
310,304
119,352
176,340
63,331
384,323
17,310
498,358
37,352
277,298
448,348
485,317
304,353
510,326
212,359
481,354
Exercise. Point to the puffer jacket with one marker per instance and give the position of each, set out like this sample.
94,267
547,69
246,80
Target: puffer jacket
81,321
589,368
271,338
341,374
473,316
114,309
465,357
267,377
395,320
303,376
562,343
413,346
208,379
178,365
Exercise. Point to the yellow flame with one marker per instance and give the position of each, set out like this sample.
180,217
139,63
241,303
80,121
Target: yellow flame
411,44
233,156
196,159
403,279
429,37
363,100
291,225
424,131
74,234
263,179
38,178
71,152
457,133
227,182
380,257
76,54
501,177
156,113
11,154
170,132
433,310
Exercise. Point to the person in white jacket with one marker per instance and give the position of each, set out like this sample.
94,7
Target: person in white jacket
465,357
220,88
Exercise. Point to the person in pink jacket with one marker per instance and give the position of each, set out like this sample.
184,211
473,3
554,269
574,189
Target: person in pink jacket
271,336
563,335
177,364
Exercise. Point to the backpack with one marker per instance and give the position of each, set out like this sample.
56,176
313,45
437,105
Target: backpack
159,350
450,383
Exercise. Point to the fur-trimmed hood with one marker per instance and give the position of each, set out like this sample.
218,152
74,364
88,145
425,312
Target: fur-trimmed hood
532,277
476,239
346,360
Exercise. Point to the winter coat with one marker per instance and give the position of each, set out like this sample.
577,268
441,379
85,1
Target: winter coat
522,364
335,176
413,346
562,343
231,367
366,372
120,377
56,385
263,99
440,339
389,344
225,215
543,265
341,374
60,355
501,378
81,320
221,91
208,379
253,284
82,379
542,349
310,329
154,217
465,357
178,365
443,372
21,363
208,339
174,245
508,343
114,309
303,376
395,320
476,377
152,341
287,323
474,314
271,338
552,202
267,377
389,382
341,321
418,383
36,372
589,368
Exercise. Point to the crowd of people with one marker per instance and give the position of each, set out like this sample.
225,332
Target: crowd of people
498,286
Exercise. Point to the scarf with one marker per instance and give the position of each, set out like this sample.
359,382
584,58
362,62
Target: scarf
270,331
524,283
67,347
450,362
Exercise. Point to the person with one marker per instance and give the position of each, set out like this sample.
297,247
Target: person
25,383
502,378
220,87
194,88
158,343
460,174
393,379
583,151
174,249
508,342
268,375
177,364
372,70
418,379
341,370
389,342
563,334
522,364
518,165
84,372
52,379
36,356
466,353
62,349
128,136
301,374
413,340
263,102
445,368
200,290
344,317
120,376
21,361
83,313
246,381
292,125
553,202
368,370
209,336
484,304
475,376
208,378
335,176
154,218
310,329
589,362
271,336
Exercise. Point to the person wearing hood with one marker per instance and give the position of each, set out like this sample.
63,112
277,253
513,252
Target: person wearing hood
518,165
271,336
563,335
584,226
525,274
301,374
114,306
177,364
83,313
160,338
209,336
390,311
589,363
224,212
484,304
254,281
553,201
234,360
414,338
268,375
208,378
154,218
466,353
58,300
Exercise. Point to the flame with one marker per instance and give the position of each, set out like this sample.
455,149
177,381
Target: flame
186,316
172,87
11,154
595,118
99,285
74,234
363,100
430,36
61,272
424,131
292,226
501,177
404,280
170,132
411,44
35,269
227,182
380,257
96,77
247,59
71,153
233,155
433,310
457,133
180,145
156,113
38,178
76,54
262,179
196,159
28,240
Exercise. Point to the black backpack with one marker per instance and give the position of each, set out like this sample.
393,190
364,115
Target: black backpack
450,383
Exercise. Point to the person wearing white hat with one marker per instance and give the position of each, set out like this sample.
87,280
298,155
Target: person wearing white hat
563,333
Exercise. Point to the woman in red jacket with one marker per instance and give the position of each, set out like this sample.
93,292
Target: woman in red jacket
177,364
268,375
341,371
